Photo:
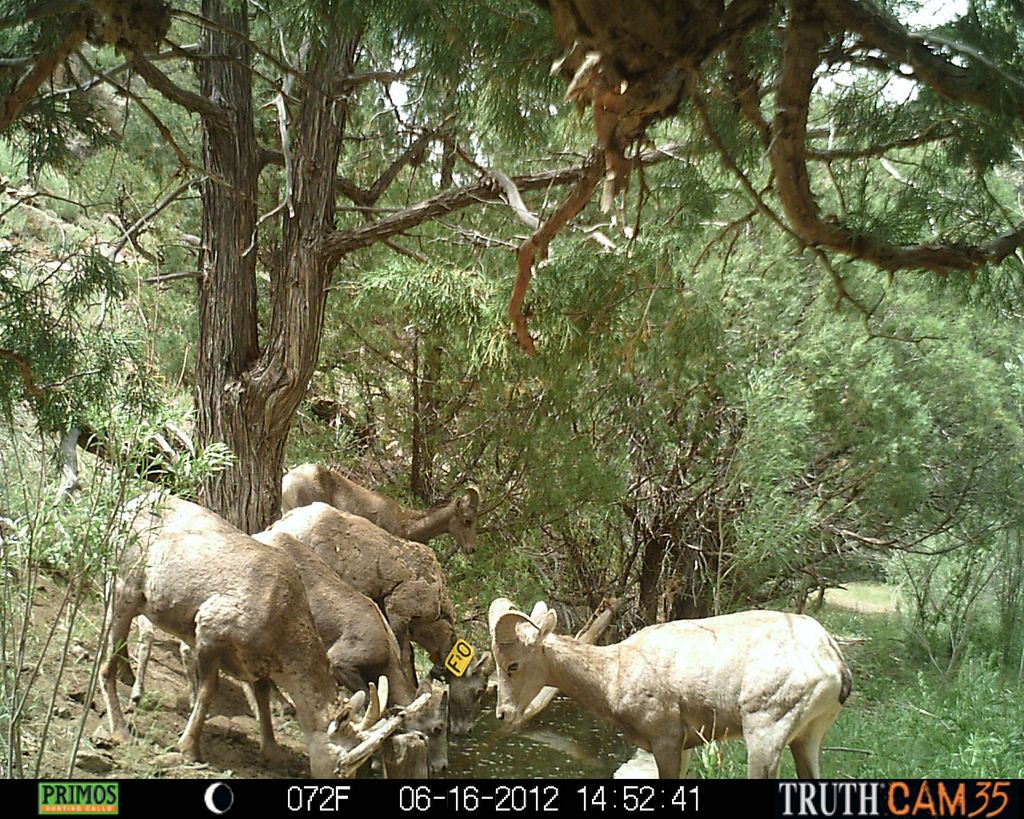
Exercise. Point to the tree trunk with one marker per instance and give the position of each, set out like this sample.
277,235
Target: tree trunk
226,410
651,541
247,397
426,414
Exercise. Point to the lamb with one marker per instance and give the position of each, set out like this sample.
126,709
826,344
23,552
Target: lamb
774,679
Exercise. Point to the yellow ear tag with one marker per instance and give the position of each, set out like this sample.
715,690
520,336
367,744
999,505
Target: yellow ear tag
459,657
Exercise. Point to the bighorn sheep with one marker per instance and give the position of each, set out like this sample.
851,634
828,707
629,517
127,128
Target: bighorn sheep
403,578
466,692
774,679
361,647
360,644
242,607
313,482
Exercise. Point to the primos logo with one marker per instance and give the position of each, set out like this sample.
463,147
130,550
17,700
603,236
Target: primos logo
459,657
78,797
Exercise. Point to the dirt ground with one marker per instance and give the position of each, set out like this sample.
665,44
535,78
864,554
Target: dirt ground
230,736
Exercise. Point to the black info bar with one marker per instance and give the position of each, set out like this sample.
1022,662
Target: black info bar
931,798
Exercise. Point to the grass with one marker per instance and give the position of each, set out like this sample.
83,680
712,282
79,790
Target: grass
865,596
918,721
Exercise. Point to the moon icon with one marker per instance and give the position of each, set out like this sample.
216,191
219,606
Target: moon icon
219,798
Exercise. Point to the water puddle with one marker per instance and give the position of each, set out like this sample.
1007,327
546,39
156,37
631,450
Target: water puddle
564,742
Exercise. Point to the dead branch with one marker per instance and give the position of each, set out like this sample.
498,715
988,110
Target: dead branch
152,213
535,248
354,759
163,278
23,91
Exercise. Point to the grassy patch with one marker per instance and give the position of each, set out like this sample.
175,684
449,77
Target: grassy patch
865,596
916,720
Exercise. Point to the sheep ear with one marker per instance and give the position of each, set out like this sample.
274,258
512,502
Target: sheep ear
546,624
538,611
486,663
470,499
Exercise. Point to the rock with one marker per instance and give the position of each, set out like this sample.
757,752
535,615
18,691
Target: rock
641,766
173,759
101,737
79,652
93,762
62,712
79,695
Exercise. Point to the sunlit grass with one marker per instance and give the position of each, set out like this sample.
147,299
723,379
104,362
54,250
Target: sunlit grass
865,596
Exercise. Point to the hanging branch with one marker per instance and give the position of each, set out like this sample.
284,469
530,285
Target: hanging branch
43,68
535,248
31,387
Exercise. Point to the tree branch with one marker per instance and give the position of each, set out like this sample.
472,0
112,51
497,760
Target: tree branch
535,248
884,32
31,387
46,8
364,77
804,36
338,243
511,193
143,220
409,156
929,134
189,100
748,94
165,132
23,91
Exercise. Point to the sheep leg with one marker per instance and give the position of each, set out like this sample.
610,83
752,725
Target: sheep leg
188,666
763,760
273,754
765,743
806,747
208,670
146,637
668,755
121,622
407,655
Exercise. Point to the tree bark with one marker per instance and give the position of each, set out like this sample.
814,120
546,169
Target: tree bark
246,395
226,411
425,420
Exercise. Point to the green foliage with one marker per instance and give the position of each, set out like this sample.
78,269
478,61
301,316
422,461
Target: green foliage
67,363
